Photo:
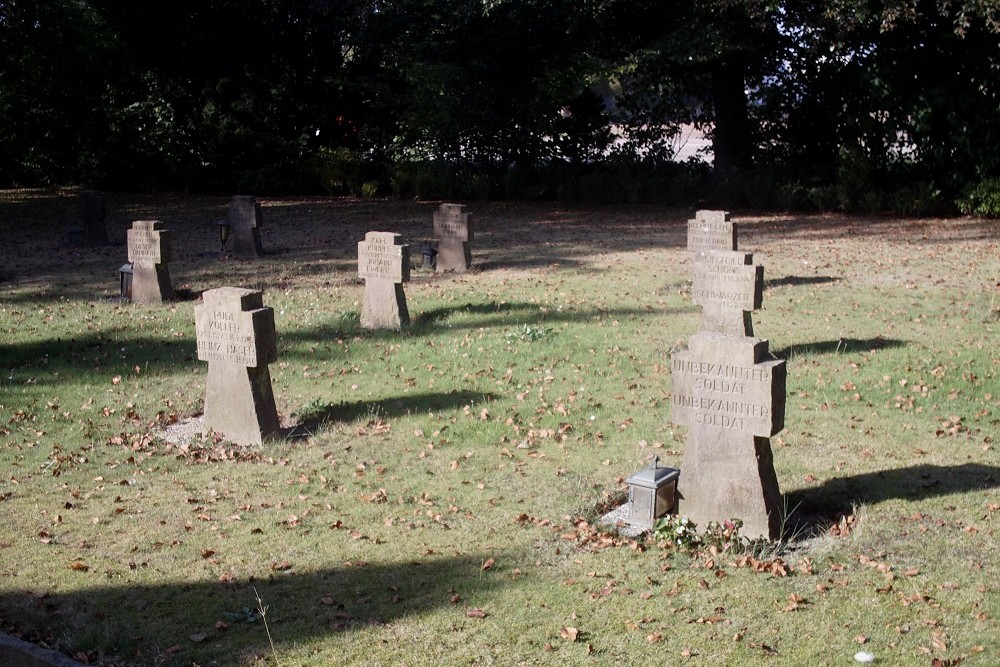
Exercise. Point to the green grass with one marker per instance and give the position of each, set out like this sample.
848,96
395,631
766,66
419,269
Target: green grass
512,409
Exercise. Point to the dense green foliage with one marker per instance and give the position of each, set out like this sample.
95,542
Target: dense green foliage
855,105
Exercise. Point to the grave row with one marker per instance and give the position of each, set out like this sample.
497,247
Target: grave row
383,258
727,389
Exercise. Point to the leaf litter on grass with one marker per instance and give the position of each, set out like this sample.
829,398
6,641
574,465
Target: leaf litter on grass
578,384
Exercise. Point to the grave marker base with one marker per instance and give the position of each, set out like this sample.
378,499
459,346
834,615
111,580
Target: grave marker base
719,482
151,283
384,305
453,255
239,403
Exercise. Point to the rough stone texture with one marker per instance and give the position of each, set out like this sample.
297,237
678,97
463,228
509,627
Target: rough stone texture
453,231
149,250
244,226
728,287
94,213
711,230
17,653
384,264
236,336
732,399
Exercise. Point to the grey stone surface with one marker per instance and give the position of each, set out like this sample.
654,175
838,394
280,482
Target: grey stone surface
731,397
729,287
94,214
236,336
711,230
245,222
17,653
453,230
149,250
384,265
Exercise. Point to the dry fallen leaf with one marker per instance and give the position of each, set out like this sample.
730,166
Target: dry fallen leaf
475,613
488,564
569,634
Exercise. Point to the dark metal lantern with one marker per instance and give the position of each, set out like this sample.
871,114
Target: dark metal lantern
223,233
651,494
125,282
429,253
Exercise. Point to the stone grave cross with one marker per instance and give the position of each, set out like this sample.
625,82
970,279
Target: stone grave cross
453,231
727,284
236,336
732,399
149,250
384,265
244,224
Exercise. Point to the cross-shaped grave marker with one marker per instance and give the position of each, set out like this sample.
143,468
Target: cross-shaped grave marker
727,284
453,231
236,336
732,399
384,265
149,250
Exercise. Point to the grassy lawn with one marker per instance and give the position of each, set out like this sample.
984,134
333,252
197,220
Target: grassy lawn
441,508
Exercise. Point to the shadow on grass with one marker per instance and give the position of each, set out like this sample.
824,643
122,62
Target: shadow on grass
839,346
314,416
218,623
795,281
814,510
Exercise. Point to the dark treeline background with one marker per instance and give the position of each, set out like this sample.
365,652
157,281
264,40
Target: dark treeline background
853,105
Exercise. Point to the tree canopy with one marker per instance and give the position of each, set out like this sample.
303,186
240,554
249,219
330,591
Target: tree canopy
301,94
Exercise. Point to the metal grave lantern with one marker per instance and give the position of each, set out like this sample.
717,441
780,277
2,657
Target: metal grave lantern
651,494
125,282
224,227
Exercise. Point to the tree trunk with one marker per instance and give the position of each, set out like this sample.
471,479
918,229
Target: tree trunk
731,137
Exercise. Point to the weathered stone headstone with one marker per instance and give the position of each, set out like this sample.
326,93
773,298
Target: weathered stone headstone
384,265
94,213
149,250
711,230
244,226
728,390
732,399
453,231
728,287
727,284
236,336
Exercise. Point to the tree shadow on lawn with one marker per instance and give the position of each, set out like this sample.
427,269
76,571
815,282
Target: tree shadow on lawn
313,416
815,510
795,281
218,623
839,346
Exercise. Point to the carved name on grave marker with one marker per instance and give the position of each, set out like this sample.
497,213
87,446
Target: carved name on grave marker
236,336
711,230
149,250
384,264
453,231
732,399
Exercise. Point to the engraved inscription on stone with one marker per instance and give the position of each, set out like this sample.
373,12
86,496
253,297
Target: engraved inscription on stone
450,222
221,338
145,242
728,280
724,391
382,256
711,230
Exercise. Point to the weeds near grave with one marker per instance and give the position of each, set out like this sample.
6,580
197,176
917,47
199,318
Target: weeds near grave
527,334
262,609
